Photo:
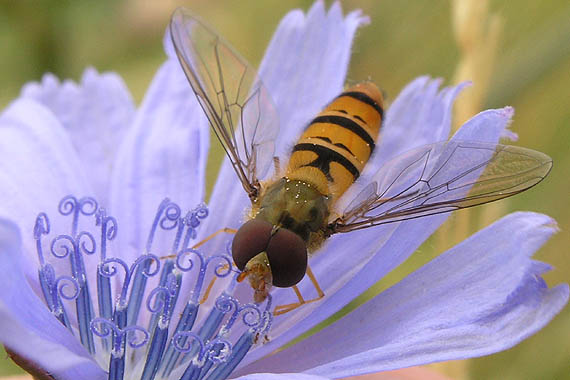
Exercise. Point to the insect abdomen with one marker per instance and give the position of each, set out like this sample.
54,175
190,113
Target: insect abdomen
336,145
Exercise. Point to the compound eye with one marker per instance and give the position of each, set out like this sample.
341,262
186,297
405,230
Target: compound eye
287,256
250,240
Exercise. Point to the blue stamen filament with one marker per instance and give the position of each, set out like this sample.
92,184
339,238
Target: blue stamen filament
108,226
160,348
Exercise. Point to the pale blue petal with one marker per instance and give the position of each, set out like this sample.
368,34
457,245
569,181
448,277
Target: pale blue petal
163,155
95,113
303,69
351,263
480,297
39,166
167,44
487,126
26,325
305,65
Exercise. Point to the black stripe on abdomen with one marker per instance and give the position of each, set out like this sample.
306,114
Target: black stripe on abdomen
340,145
324,158
364,99
347,123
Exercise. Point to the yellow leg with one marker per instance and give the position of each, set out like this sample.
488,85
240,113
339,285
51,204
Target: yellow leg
199,244
223,230
205,240
210,237
209,288
282,309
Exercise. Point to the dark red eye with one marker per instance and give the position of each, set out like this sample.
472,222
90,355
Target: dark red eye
251,239
287,256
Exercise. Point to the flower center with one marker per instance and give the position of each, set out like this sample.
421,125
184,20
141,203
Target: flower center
140,325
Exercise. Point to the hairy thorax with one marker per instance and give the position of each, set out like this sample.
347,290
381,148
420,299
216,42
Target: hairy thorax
297,206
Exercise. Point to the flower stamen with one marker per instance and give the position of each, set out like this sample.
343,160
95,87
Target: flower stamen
185,349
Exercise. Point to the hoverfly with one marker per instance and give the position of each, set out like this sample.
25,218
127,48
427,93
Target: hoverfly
295,211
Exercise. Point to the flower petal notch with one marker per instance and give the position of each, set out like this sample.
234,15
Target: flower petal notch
96,113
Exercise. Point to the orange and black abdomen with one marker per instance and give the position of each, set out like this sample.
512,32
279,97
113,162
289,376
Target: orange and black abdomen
336,145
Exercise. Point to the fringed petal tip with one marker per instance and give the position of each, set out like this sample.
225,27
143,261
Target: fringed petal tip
32,89
93,88
355,18
95,114
489,125
507,134
167,44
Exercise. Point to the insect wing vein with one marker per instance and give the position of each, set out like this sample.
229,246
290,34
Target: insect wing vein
443,177
234,99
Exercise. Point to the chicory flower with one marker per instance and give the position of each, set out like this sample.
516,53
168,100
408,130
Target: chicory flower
101,278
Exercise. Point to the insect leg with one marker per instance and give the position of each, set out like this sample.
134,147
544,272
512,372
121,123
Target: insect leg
276,165
315,283
205,240
210,237
210,286
282,309
202,242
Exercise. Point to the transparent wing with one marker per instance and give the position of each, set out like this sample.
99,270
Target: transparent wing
238,106
440,178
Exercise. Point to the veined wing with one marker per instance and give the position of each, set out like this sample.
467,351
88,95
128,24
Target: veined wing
238,106
440,178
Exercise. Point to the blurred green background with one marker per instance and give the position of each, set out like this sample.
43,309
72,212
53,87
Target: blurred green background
405,39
